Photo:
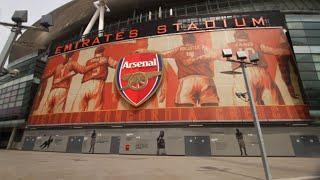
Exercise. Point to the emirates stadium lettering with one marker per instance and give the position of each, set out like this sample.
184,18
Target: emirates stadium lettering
169,26
128,65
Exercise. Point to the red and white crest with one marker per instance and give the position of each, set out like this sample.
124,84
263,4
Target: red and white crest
138,76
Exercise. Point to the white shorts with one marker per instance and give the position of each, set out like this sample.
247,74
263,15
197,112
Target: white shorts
89,97
56,101
196,89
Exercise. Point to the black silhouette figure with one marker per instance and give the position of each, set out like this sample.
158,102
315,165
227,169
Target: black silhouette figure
161,145
93,141
241,143
46,144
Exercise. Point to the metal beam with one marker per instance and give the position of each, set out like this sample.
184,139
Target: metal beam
101,20
7,47
91,23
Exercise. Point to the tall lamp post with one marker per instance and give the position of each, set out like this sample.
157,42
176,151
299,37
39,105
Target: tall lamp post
18,18
241,57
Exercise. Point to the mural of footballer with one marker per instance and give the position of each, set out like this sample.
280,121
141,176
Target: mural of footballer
265,90
90,96
196,86
62,76
284,57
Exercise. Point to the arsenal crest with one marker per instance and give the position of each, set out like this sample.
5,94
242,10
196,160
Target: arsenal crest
138,76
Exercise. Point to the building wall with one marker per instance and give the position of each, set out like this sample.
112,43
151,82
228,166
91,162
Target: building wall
304,31
16,93
143,141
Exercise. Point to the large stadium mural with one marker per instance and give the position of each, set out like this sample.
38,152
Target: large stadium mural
197,84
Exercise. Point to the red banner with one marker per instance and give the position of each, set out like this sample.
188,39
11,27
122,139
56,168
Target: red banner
197,83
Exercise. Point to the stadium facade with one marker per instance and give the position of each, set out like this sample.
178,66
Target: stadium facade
156,72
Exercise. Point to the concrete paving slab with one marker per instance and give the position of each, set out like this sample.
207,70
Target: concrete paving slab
30,165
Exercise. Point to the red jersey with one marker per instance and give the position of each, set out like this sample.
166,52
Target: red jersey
60,72
64,70
183,53
99,73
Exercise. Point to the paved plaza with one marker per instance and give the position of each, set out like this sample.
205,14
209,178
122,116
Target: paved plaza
63,166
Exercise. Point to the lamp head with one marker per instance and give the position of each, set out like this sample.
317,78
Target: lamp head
226,53
242,55
254,58
46,21
20,16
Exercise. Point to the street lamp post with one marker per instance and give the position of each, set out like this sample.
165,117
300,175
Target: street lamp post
241,56
18,18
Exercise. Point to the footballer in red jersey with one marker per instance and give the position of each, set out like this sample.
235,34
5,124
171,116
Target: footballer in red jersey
62,77
283,54
89,97
265,91
195,75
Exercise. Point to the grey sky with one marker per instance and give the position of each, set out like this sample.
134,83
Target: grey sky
36,9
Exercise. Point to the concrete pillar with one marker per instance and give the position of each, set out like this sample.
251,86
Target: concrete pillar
13,134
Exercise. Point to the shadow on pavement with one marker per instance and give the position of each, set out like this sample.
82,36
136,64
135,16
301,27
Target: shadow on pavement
226,170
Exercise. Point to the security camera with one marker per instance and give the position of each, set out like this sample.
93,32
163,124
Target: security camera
226,53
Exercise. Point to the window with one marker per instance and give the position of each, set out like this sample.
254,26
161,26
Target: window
11,105
22,85
295,25
316,57
306,67
312,33
6,100
297,33
191,10
313,41
9,88
15,87
315,49
317,66
19,103
14,93
308,76
181,11
21,91
20,97
12,98
311,84
311,25
299,41
202,9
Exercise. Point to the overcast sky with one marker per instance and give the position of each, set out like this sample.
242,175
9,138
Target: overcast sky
36,8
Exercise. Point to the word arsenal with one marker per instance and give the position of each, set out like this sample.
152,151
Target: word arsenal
162,29
139,64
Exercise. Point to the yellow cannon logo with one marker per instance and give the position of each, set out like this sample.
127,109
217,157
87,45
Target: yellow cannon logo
138,80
